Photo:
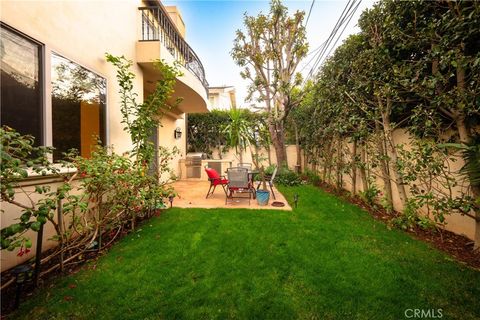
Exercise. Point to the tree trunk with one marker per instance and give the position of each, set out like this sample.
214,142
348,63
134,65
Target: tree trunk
354,167
219,148
253,152
305,159
297,148
363,173
463,130
269,155
241,155
476,237
388,132
339,168
435,71
384,165
324,172
465,137
278,140
329,162
398,178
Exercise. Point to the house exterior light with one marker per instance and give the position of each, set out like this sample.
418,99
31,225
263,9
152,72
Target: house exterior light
177,133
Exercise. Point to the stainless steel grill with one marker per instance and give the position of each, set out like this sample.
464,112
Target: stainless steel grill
193,163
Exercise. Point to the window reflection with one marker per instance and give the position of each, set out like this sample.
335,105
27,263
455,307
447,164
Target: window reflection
21,100
78,107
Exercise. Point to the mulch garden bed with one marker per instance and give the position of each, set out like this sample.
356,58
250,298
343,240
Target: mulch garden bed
457,246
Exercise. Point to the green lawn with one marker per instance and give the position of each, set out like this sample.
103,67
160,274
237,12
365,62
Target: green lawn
325,260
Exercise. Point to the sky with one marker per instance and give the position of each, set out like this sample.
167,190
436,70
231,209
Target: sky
211,26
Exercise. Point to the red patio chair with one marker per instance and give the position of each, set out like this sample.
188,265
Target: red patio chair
215,180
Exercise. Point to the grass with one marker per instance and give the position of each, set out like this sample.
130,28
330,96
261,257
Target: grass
325,260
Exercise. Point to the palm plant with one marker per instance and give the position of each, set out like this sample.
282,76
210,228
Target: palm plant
238,131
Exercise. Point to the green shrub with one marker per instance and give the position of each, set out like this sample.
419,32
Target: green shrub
19,155
269,170
409,218
311,177
287,177
370,195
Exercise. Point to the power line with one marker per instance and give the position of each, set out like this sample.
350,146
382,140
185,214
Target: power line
347,14
330,37
314,56
309,12
349,19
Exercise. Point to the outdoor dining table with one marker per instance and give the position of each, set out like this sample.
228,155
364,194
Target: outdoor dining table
252,174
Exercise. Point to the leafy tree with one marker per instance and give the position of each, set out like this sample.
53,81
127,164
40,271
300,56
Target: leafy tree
211,131
270,50
441,72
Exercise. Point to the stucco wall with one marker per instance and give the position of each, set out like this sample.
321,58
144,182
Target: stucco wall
81,31
167,139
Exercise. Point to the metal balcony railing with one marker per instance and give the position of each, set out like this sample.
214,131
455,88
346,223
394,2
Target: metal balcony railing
157,26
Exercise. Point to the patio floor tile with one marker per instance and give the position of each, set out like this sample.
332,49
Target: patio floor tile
191,194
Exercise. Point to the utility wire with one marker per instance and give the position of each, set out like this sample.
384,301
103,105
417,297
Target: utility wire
314,56
309,12
347,14
338,25
343,30
334,30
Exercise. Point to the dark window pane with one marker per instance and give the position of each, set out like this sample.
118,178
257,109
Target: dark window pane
21,99
78,107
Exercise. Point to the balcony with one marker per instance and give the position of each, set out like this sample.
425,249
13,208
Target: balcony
160,39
